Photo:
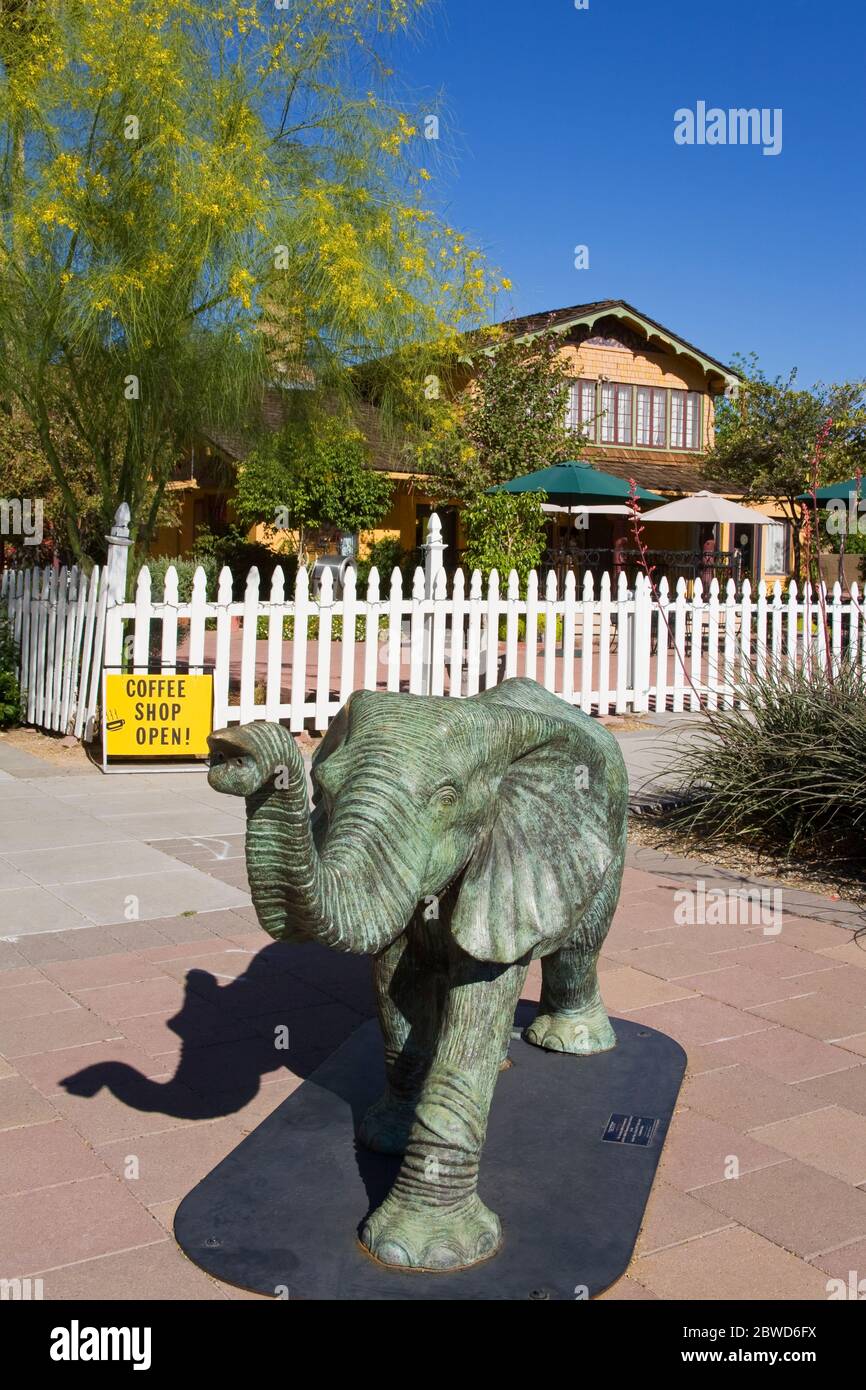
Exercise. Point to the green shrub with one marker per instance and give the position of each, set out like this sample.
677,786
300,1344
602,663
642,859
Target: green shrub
10,691
521,628
505,531
186,567
786,774
232,548
313,628
387,555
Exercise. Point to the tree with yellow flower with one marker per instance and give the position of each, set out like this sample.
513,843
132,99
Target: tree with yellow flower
182,175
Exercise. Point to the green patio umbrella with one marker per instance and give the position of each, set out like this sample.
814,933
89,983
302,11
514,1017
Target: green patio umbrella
834,490
575,483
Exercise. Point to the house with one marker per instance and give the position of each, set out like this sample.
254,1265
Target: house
642,397
645,398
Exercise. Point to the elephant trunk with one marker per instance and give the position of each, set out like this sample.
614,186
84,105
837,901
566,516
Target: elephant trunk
335,896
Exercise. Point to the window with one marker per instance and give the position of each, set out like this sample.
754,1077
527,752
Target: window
637,415
651,417
776,548
581,410
678,419
693,420
686,419
608,413
623,414
616,404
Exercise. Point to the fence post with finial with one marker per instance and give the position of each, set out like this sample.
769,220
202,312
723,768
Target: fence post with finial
434,550
116,565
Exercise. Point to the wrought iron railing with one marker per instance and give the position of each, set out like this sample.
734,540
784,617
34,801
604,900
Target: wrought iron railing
673,564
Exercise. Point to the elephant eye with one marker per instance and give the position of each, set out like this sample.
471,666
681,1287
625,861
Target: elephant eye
446,796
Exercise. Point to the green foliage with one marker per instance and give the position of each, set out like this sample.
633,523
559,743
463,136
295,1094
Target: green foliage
186,567
505,531
540,628
765,442
25,472
288,632
512,422
10,692
386,555
785,774
231,548
312,474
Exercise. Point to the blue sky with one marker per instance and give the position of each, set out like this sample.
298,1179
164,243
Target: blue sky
561,124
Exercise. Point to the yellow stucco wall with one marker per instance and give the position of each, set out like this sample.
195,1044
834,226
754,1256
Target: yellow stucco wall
399,522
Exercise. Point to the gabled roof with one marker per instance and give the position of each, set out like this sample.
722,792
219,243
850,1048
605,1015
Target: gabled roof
580,315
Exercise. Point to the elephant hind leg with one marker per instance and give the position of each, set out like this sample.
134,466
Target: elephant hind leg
571,1016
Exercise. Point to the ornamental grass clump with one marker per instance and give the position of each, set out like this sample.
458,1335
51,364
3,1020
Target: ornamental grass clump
785,773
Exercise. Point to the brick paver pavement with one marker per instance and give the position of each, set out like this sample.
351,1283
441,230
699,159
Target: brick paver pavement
136,1053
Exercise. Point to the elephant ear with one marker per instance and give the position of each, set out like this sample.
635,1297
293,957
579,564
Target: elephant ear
559,826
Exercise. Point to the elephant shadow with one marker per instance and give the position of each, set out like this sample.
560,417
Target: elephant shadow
290,1008
230,1043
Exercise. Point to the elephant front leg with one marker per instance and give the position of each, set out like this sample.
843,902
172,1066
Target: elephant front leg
433,1217
407,1002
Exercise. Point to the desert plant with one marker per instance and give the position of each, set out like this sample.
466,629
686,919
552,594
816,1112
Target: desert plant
178,177
784,772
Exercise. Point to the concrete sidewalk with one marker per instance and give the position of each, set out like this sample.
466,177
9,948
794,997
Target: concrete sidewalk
80,850
139,1049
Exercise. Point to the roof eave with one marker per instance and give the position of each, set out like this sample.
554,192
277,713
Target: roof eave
621,310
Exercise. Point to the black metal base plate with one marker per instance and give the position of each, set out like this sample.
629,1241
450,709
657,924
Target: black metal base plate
572,1148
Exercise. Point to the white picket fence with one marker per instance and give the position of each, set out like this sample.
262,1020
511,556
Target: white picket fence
57,617
604,649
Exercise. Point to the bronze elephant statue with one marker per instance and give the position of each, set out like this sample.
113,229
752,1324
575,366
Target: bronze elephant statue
453,841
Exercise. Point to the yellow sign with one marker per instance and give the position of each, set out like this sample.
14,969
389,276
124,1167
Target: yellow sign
157,716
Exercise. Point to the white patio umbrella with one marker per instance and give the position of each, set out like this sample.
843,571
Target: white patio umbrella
708,507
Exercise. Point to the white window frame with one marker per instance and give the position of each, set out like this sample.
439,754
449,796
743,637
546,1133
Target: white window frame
574,415
774,543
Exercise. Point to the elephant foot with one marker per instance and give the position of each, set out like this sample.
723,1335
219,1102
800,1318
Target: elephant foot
386,1125
432,1238
581,1033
